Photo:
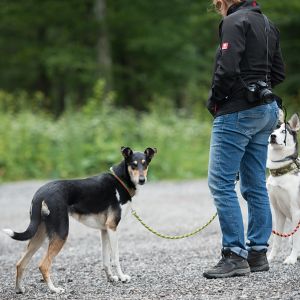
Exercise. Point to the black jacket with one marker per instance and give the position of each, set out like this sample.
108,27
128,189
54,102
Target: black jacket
242,57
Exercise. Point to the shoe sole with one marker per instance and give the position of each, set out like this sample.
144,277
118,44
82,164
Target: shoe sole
263,268
234,273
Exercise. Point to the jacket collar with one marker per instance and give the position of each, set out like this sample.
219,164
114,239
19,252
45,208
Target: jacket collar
245,4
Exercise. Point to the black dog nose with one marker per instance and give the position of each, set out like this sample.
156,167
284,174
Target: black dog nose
273,139
142,180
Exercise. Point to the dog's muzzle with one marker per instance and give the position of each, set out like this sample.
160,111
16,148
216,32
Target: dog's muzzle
142,180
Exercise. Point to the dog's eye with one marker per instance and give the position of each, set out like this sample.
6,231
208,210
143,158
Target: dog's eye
134,165
283,131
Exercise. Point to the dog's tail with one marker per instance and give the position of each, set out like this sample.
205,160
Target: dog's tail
37,211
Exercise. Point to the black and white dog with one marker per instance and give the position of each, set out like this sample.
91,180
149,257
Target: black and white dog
95,201
284,182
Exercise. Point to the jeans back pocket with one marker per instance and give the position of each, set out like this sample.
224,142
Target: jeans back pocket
252,120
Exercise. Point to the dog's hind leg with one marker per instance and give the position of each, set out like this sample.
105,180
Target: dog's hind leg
113,239
34,244
55,245
106,250
279,226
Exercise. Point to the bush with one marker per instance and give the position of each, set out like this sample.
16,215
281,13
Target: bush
86,142
22,100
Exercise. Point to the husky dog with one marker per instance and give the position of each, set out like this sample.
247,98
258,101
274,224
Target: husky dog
284,182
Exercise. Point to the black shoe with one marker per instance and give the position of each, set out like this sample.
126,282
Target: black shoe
229,266
258,261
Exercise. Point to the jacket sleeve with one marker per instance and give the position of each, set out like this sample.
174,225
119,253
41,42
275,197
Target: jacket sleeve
232,45
277,69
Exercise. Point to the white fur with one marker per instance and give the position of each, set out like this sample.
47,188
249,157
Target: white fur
118,195
113,239
284,191
45,210
8,232
96,221
110,249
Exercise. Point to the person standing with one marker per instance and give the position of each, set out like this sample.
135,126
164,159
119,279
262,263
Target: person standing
248,65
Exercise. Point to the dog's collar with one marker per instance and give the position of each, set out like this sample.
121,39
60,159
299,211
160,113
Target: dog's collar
291,168
130,191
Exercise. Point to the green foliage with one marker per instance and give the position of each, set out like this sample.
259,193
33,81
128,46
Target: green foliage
285,14
158,49
85,143
161,55
154,47
99,98
48,46
21,101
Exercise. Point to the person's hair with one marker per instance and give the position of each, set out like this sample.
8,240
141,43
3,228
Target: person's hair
222,5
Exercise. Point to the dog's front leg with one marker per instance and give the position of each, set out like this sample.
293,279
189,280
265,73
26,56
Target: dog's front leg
106,257
113,238
279,225
292,258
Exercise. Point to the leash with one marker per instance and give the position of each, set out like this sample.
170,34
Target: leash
196,231
131,192
285,235
170,237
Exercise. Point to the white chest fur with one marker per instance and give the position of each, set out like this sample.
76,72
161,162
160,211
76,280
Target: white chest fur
97,221
284,193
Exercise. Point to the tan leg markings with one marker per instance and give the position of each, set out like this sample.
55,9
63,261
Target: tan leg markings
34,244
55,246
111,222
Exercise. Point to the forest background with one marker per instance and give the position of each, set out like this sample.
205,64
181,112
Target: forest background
81,78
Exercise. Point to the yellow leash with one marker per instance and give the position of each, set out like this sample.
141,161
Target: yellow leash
169,237
131,192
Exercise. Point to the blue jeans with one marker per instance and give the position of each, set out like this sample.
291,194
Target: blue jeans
239,143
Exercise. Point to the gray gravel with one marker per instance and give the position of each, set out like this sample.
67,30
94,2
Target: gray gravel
160,269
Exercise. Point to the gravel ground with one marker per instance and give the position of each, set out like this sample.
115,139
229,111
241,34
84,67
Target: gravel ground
160,269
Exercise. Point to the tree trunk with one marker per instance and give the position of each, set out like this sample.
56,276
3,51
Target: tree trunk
104,61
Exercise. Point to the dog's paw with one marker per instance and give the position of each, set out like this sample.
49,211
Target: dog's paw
125,278
290,260
57,290
20,290
113,278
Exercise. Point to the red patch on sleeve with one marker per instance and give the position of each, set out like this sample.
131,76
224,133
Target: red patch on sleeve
225,46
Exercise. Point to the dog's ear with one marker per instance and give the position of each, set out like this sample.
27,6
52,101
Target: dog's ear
149,152
126,152
295,122
281,116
